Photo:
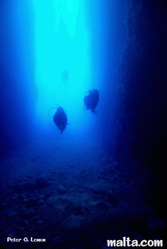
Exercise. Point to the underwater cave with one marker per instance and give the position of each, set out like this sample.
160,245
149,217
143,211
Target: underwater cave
77,173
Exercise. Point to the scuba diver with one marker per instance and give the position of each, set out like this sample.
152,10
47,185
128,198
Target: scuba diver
59,118
91,99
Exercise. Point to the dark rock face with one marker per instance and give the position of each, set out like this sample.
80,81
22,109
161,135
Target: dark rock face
17,88
77,208
23,187
142,101
27,186
31,203
41,182
61,189
17,188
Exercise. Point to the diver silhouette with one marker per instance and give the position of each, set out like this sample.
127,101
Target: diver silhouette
59,118
91,99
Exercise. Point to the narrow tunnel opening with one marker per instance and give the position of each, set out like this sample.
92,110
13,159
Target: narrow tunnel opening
64,64
62,60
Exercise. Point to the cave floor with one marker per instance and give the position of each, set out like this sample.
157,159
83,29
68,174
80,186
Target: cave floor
74,195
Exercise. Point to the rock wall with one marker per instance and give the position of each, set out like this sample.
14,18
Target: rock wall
17,85
142,96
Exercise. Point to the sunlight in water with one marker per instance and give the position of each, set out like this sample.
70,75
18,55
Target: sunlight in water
62,56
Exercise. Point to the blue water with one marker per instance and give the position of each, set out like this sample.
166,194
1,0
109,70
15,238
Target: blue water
102,176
